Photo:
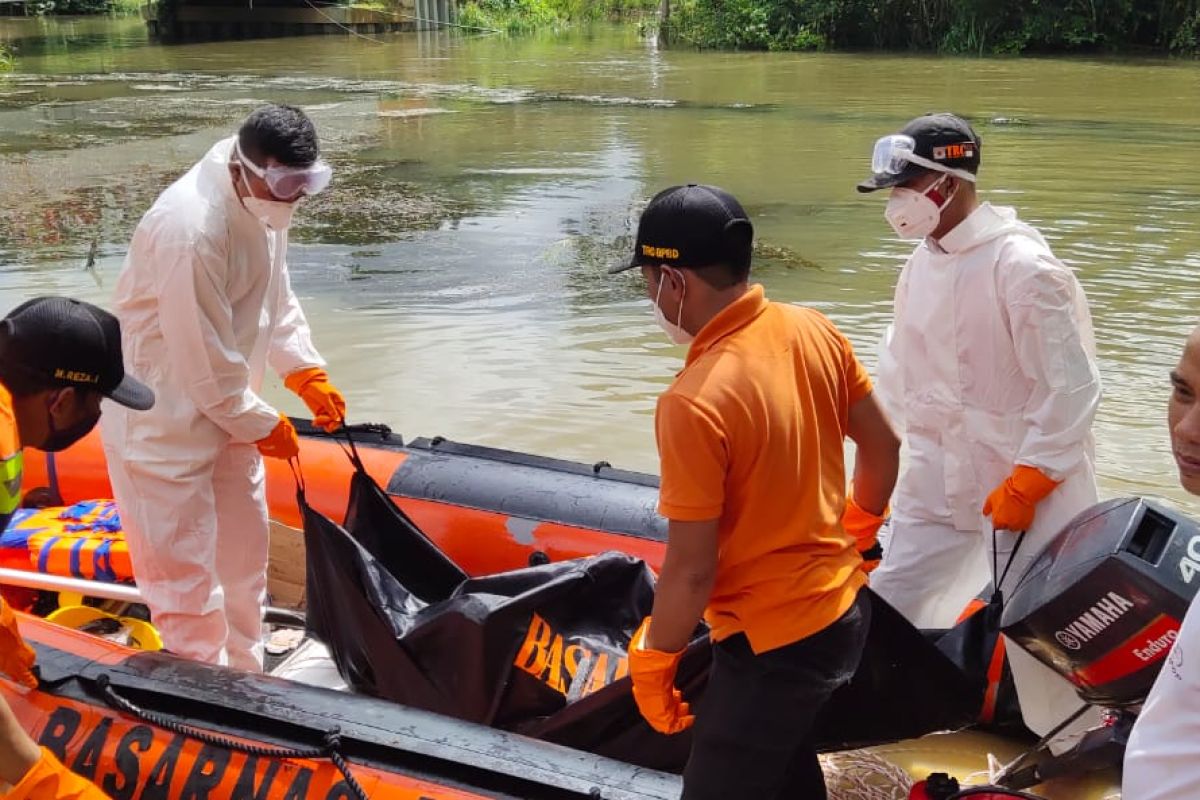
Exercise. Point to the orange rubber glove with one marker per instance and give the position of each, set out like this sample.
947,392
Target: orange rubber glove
864,527
282,441
50,780
653,676
1011,505
16,657
323,400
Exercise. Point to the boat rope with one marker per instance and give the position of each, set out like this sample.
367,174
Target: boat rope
1009,770
344,27
330,748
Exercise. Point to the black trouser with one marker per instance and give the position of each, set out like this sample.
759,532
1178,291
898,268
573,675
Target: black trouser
753,732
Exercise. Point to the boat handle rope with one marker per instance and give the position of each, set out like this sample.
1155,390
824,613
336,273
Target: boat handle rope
352,451
297,473
330,748
997,582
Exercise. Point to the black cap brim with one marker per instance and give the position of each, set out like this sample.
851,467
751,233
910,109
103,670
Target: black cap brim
132,393
885,181
623,266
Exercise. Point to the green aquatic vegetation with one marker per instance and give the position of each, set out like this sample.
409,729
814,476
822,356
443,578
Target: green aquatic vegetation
767,254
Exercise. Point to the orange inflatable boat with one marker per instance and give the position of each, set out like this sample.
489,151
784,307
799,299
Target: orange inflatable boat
489,510
150,726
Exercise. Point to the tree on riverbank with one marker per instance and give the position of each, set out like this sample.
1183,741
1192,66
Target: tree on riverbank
46,7
948,26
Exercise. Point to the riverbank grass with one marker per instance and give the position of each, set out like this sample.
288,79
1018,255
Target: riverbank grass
527,16
510,16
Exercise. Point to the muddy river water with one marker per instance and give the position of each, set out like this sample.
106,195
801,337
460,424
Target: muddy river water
454,274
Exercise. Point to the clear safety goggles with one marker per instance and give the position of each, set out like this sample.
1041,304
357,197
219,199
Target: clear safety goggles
288,183
894,153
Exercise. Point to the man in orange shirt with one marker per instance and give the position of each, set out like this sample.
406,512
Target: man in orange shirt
58,358
750,437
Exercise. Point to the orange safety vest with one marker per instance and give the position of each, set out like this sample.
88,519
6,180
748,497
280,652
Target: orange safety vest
12,462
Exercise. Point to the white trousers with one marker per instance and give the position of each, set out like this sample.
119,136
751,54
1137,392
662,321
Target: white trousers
198,537
931,571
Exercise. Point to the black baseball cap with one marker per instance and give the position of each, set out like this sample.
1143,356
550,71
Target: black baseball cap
943,139
70,343
692,226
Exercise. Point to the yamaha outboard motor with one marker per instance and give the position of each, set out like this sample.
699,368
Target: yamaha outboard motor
1101,606
1103,602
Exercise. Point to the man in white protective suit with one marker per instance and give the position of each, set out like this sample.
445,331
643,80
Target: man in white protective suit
205,306
989,370
1162,760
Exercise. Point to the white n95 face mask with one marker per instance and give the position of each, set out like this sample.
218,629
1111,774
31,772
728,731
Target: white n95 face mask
674,331
275,214
913,214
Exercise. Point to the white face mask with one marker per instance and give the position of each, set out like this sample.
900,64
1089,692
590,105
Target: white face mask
674,330
275,214
913,214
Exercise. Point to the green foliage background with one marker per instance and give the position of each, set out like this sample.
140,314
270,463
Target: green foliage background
948,26
42,7
524,16
979,27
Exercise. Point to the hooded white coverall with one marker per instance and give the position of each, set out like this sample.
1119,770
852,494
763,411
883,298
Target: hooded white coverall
989,363
205,306
1162,760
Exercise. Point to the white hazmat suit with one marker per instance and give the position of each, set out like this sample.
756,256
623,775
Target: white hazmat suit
989,363
205,306
1162,760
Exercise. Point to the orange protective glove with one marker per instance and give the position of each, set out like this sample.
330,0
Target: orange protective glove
282,441
323,400
653,676
1011,505
864,527
50,780
16,657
